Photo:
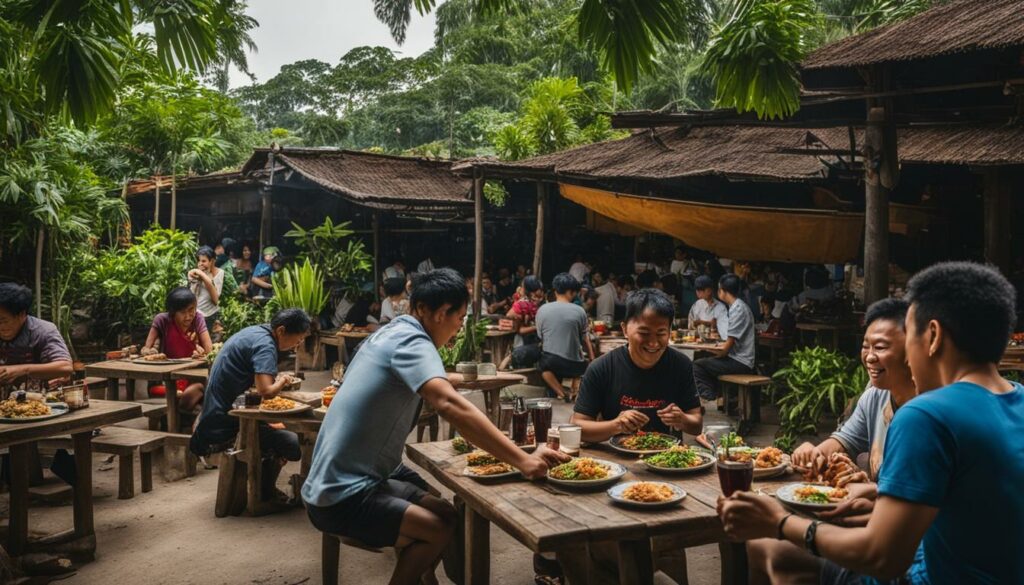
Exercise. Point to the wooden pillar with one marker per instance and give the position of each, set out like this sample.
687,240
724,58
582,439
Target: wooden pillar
876,209
266,216
538,244
376,254
174,202
996,204
478,264
156,201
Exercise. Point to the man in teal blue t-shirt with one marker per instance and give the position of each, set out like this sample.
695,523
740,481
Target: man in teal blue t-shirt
954,458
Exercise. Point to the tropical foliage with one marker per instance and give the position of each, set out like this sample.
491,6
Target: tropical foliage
467,343
817,382
345,263
299,286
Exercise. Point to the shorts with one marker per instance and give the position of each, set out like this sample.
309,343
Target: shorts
833,574
374,515
561,367
525,356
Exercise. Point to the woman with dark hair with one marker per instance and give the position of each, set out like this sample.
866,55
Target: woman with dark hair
526,347
206,282
243,264
181,332
394,303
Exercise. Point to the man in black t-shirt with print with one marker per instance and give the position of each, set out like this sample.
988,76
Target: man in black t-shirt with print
642,385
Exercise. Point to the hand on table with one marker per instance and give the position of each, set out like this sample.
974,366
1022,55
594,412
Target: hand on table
630,421
671,415
12,373
748,516
542,459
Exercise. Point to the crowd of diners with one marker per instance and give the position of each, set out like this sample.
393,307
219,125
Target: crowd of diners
938,435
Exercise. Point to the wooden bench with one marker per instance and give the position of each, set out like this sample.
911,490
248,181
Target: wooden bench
123,442
749,396
531,375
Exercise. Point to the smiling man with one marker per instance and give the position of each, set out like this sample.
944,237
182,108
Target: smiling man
357,484
642,385
29,347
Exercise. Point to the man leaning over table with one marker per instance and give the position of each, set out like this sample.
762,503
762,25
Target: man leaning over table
249,358
357,485
953,465
29,347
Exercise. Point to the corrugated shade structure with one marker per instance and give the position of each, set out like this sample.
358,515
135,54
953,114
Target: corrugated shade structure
373,180
758,234
957,27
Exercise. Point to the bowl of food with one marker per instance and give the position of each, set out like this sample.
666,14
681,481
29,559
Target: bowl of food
13,410
281,405
646,494
768,461
586,473
812,496
678,459
643,443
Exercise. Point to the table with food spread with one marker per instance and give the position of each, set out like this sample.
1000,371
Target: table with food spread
19,430
140,369
644,511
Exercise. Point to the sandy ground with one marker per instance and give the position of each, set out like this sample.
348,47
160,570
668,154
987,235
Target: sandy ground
171,536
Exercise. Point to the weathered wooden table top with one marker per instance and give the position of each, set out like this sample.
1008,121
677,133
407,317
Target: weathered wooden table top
200,374
140,371
99,413
497,381
546,518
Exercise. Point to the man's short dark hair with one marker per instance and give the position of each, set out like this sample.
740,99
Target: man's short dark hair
14,298
639,301
207,252
565,282
179,299
439,287
731,284
532,283
646,279
894,310
624,281
703,282
394,286
293,321
974,303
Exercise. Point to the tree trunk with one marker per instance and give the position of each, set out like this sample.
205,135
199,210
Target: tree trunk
478,264
538,245
40,239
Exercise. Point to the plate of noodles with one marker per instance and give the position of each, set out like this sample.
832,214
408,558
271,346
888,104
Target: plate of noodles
646,494
586,472
679,459
281,405
643,443
13,411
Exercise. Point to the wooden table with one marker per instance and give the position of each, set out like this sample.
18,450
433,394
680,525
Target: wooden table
606,343
241,471
20,437
499,343
200,375
573,525
339,339
1013,358
115,370
491,386
818,328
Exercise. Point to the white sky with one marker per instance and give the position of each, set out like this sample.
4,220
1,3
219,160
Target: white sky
293,30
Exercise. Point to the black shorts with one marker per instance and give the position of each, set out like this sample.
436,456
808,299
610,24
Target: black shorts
373,516
561,367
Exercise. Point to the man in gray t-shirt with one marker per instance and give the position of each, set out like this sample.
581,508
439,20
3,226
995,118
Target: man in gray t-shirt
562,328
737,355
28,346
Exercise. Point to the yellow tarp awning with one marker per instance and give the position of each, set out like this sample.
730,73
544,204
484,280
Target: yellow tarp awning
606,225
748,233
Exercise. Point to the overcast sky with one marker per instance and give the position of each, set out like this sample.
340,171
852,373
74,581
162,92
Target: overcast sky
322,29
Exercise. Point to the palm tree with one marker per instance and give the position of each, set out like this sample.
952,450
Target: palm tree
233,40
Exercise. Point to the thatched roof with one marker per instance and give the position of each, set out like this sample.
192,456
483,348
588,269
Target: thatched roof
372,180
753,153
217,180
957,27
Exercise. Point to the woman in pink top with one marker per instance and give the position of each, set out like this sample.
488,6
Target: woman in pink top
181,333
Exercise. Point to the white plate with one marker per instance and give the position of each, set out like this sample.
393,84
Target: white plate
299,407
785,494
56,409
709,462
615,493
765,472
615,473
467,471
616,443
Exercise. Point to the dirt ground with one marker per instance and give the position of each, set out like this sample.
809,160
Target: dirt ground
171,536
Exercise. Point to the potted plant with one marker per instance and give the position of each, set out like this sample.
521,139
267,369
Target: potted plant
301,286
465,348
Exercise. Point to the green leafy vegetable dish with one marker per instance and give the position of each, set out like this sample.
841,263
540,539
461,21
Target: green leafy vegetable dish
642,441
461,445
677,457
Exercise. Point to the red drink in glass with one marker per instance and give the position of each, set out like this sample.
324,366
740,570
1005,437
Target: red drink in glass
735,476
520,420
541,420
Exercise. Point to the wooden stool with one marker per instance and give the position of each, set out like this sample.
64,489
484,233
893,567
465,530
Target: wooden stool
749,397
123,442
330,555
428,419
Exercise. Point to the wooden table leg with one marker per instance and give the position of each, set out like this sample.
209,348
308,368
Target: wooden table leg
17,530
478,548
249,430
636,566
734,562
171,391
113,388
83,484
494,406
575,563
129,389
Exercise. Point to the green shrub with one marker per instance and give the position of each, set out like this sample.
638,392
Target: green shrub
819,381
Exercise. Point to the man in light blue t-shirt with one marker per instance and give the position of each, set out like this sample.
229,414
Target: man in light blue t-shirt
737,355
954,456
357,485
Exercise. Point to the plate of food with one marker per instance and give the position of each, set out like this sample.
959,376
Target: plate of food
160,359
460,445
586,472
643,443
768,461
482,465
280,405
812,496
679,459
13,410
646,494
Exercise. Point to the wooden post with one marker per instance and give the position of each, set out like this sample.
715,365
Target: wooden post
997,210
376,254
156,202
876,210
174,201
267,206
538,243
478,264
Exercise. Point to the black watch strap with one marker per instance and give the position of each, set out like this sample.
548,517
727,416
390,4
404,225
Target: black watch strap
809,538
